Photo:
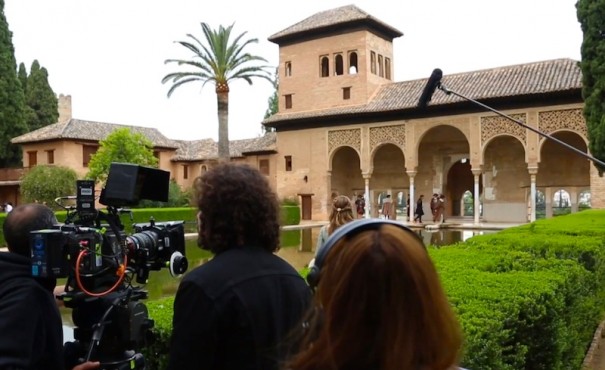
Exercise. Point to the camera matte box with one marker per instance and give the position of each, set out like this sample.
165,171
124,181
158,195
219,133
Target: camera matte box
128,183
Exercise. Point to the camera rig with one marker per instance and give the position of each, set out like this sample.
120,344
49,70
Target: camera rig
100,261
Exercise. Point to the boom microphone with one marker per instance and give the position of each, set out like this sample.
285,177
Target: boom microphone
431,85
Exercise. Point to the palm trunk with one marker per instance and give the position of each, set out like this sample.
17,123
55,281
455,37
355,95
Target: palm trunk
222,99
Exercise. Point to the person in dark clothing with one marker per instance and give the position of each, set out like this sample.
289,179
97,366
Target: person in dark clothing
419,210
236,310
30,323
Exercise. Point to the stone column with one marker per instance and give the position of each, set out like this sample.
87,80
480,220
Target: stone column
573,198
411,174
476,203
366,179
548,200
533,172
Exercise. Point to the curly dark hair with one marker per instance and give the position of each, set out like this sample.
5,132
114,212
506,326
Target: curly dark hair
237,208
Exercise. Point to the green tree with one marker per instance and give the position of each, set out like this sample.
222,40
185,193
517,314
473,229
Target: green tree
44,184
12,99
273,102
591,15
22,75
121,146
40,98
218,60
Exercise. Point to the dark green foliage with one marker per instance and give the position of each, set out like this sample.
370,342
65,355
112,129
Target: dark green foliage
273,102
12,99
22,75
290,215
46,183
40,98
591,15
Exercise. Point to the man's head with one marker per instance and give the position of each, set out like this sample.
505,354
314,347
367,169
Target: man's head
23,219
237,207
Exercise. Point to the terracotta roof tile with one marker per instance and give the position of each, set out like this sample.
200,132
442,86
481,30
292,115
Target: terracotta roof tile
551,76
207,149
349,14
89,130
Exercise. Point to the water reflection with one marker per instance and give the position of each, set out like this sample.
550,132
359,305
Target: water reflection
443,237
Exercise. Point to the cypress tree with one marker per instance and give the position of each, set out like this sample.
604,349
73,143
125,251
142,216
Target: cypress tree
591,15
22,74
12,99
41,98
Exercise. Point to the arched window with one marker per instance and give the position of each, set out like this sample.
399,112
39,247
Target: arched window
325,66
387,68
288,69
561,203
380,66
338,65
584,200
540,205
373,62
353,67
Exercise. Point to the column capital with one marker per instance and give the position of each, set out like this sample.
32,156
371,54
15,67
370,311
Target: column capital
533,170
411,173
477,171
366,175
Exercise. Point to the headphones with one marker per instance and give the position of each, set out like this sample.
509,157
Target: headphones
347,230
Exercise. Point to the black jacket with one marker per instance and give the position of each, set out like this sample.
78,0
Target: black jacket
31,334
236,311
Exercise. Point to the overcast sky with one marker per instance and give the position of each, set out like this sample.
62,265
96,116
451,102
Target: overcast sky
109,55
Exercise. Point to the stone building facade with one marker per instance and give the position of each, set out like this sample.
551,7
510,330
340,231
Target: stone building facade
344,127
71,142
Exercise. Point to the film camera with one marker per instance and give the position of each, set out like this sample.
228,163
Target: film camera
100,261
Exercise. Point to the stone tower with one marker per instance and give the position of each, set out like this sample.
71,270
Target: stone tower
334,58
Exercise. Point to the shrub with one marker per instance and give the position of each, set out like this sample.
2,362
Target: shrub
44,184
290,215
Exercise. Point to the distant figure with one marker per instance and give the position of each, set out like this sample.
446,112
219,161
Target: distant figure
340,214
419,210
8,207
387,207
440,216
434,205
360,206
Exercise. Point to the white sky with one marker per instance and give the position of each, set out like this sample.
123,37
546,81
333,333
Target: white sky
109,55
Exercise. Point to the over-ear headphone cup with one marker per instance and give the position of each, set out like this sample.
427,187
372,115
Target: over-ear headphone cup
344,231
313,276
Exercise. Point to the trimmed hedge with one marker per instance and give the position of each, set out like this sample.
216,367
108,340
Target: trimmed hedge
290,215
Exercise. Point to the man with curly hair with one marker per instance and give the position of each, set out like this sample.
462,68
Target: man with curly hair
236,310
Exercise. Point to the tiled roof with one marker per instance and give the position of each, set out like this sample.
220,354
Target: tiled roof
349,14
208,149
89,130
538,78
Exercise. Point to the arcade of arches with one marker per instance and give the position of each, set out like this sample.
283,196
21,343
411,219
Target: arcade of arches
488,168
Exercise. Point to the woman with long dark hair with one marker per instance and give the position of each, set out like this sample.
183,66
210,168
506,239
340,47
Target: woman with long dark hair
378,304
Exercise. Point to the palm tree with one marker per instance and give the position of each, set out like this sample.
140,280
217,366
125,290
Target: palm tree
218,60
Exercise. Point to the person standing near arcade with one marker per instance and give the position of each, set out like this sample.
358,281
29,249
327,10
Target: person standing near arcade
419,212
360,206
387,207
